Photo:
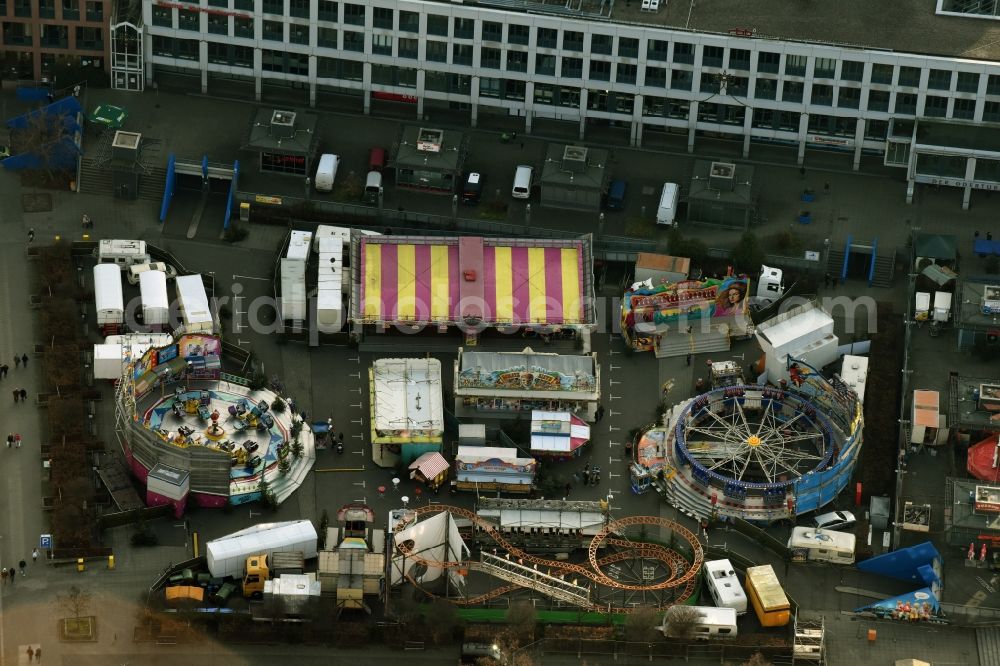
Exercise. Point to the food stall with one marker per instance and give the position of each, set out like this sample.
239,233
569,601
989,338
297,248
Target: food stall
558,435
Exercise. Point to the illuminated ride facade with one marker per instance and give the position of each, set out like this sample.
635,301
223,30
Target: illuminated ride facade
758,453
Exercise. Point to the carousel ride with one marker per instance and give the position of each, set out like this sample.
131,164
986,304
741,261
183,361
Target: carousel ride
621,571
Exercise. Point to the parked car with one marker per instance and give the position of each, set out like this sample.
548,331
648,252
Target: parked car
835,520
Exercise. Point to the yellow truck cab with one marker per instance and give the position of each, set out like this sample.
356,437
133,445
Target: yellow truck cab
263,567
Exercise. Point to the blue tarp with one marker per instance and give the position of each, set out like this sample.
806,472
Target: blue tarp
914,564
62,154
33,94
984,247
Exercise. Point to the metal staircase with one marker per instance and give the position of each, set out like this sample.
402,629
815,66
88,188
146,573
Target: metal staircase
525,576
885,268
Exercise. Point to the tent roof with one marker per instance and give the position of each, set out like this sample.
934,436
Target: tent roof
108,115
935,246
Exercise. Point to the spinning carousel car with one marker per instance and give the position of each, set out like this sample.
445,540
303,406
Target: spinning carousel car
185,431
250,446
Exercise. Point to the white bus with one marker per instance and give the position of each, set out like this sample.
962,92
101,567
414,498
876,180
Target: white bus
724,586
712,623
809,544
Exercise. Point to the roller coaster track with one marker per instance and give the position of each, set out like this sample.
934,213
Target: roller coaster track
683,576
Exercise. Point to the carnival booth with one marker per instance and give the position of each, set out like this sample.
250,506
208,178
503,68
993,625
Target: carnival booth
558,435
407,415
674,319
488,468
431,469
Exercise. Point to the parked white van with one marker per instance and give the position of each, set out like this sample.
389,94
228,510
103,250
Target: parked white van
326,172
712,622
136,270
666,212
122,253
522,182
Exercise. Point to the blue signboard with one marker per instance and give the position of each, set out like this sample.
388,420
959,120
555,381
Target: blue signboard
45,542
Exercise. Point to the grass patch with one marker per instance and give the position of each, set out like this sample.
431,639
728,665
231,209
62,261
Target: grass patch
78,629
494,210
636,227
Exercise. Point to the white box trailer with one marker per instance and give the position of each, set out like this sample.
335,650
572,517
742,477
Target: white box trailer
666,212
298,245
193,303
155,302
330,284
293,290
922,306
107,361
227,556
108,296
942,306
109,357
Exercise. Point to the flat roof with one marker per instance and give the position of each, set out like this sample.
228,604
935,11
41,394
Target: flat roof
913,28
407,394
968,303
298,138
556,171
786,330
958,134
444,156
964,412
963,513
701,187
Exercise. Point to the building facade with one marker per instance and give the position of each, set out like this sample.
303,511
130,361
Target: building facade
632,69
39,35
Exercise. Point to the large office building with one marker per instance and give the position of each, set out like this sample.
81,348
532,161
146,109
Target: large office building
896,78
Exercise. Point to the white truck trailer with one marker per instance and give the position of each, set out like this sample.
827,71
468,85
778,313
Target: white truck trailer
108,297
193,303
227,556
155,303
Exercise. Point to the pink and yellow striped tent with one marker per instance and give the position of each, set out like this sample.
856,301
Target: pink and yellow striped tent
449,280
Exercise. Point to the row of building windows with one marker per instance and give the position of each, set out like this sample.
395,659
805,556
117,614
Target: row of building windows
677,53
53,36
68,10
844,97
681,78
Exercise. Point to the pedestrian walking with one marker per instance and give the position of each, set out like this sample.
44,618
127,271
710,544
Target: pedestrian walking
17,361
586,468
31,235
38,655
10,439
21,565
975,235
17,394
569,487
24,394
34,554
17,440
3,370
31,650
24,360
689,357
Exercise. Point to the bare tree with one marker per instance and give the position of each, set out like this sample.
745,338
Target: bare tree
444,619
680,620
75,602
43,136
521,618
757,659
642,625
